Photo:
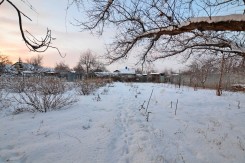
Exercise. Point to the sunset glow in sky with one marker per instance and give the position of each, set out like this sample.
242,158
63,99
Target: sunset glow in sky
69,39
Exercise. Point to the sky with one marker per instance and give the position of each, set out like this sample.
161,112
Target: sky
70,40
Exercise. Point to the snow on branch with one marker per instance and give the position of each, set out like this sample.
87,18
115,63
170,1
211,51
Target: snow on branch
234,22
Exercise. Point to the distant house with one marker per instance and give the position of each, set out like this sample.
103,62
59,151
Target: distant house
50,74
28,73
175,78
23,69
126,74
130,72
103,74
73,76
144,78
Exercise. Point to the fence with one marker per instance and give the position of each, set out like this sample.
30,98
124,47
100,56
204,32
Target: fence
212,80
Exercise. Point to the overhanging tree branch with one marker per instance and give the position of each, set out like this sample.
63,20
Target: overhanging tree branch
1,2
32,42
176,25
219,23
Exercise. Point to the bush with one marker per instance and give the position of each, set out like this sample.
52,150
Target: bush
44,95
36,101
15,84
5,102
85,87
88,86
51,85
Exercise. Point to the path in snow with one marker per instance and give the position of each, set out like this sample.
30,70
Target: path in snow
206,128
128,131
128,136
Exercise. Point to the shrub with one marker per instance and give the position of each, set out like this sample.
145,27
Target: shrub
85,87
51,85
88,86
16,84
5,102
44,95
41,102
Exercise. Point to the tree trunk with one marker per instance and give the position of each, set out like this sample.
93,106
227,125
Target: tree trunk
219,87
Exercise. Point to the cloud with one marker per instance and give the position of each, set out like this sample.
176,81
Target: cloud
52,14
69,43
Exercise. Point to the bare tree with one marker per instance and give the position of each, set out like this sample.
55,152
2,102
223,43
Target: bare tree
138,71
35,61
87,61
166,28
61,67
219,86
230,69
200,68
222,71
78,68
3,61
100,67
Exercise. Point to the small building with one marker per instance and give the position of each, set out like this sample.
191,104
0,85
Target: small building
162,78
142,77
28,73
103,74
50,74
73,76
154,77
127,74
174,78
157,77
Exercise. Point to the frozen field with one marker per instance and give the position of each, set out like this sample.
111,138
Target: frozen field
113,129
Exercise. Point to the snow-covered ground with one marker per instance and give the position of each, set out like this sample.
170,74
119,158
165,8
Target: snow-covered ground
206,128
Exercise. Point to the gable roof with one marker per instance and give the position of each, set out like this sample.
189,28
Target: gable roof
127,70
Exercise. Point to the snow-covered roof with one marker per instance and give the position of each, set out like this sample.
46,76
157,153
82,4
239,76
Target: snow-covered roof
27,72
103,74
175,74
127,70
51,72
155,73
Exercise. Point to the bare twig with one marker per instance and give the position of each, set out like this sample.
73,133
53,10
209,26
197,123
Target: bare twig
149,101
73,137
33,43
176,107
147,116
142,106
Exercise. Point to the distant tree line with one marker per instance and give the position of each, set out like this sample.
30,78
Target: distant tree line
88,63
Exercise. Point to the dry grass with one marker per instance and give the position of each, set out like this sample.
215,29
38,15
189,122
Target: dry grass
88,86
